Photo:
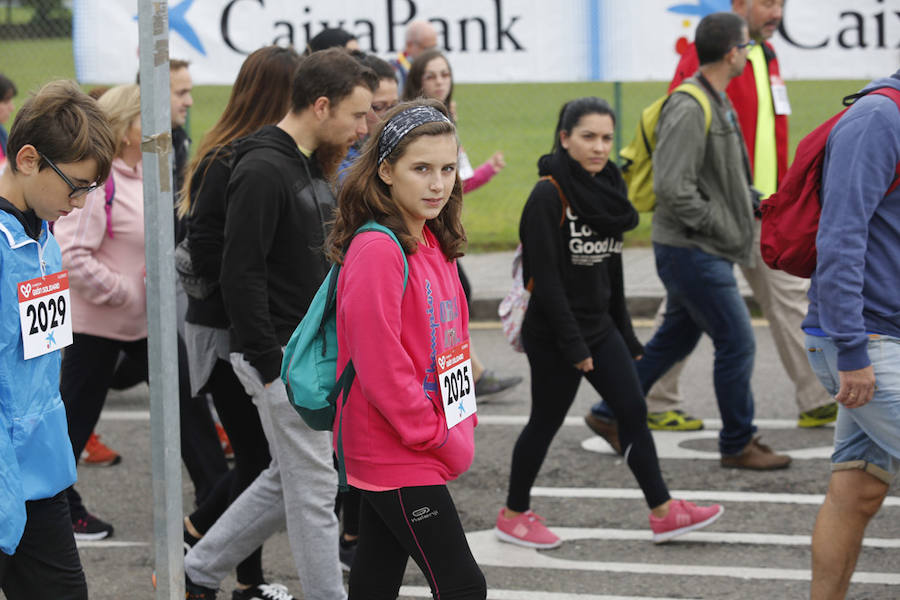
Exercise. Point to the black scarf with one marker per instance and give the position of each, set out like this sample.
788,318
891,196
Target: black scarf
601,199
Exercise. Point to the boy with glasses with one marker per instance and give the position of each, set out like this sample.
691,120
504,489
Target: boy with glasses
63,129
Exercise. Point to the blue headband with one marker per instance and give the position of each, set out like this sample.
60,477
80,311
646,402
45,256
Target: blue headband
404,122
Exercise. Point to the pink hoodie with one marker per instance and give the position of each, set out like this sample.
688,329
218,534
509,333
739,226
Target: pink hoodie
107,273
394,430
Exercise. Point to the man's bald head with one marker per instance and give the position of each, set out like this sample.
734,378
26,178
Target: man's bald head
420,36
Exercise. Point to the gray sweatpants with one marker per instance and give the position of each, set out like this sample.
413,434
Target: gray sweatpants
299,485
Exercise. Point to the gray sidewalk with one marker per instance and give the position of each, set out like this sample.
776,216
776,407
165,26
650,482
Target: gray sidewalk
491,277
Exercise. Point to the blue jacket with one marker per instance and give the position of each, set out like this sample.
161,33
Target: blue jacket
36,459
854,288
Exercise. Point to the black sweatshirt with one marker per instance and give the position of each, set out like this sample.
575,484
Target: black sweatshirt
272,262
578,294
206,234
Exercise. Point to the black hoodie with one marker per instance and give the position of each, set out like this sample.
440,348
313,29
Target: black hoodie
578,294
272,261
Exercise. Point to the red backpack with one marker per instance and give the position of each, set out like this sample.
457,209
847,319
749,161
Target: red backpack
790,216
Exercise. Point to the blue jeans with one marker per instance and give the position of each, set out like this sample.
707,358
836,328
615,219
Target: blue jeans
867,437
703,297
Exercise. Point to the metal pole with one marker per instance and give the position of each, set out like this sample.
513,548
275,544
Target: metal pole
156,124
617,107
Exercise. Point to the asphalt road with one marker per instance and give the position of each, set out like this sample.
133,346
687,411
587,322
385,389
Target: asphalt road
758,549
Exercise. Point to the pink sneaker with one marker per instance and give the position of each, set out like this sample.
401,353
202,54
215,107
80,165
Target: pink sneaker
527,530
683,517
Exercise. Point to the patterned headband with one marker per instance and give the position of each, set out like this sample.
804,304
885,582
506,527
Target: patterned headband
404,122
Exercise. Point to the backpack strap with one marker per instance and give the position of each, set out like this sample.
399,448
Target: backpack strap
562,219
894,95
700,96
110,188
562,197
348,375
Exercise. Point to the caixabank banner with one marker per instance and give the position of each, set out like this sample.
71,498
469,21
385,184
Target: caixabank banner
491,40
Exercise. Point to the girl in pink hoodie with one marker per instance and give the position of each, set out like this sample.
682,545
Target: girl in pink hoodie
409,418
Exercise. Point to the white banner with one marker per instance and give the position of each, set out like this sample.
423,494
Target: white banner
491,40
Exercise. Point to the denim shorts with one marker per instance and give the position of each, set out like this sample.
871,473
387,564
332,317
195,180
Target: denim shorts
867,437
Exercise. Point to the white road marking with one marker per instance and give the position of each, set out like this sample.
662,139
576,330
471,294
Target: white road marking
669,444
125,415
716,537
108,544
712,425
692,495
423,592
489,551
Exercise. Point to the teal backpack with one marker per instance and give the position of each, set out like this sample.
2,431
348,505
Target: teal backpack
309,366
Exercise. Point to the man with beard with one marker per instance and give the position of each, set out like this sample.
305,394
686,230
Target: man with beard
278,204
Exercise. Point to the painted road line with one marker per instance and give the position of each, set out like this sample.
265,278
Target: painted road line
489,551
412,591
702,495
712,425
717,537
125,415
637,323
108,544
671,444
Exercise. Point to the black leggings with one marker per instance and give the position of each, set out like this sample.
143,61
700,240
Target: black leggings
86,373
418,522
251,456
46,565
554,383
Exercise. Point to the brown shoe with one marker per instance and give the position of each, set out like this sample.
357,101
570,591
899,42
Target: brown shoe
608,429
756,456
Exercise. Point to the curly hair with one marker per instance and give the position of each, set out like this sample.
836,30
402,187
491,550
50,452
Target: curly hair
365,197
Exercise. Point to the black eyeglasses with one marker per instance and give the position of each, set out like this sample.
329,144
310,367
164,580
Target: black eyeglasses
749,44
77,190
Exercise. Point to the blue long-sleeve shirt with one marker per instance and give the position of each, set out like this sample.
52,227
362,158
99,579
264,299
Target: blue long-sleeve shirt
854,290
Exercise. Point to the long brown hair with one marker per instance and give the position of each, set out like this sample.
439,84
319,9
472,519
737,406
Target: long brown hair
413,88
365,197
261,95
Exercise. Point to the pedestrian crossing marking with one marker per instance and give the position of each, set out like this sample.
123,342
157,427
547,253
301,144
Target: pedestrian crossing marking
489,551
692,495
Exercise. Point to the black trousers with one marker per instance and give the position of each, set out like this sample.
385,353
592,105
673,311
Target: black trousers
554,383
418,522
251,456
46,565
87,372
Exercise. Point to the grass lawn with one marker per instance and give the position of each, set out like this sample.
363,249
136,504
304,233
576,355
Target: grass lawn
517,119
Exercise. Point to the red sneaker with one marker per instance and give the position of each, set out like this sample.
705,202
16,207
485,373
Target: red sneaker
97,454
683,517
226,443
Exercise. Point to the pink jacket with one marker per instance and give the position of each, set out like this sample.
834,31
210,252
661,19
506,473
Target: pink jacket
394,430
106,273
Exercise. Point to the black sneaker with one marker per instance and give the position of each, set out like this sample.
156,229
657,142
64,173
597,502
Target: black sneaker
263,591
347,552
491,383
91,528
192,591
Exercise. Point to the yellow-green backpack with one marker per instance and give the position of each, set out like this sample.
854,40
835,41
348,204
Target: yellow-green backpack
637,165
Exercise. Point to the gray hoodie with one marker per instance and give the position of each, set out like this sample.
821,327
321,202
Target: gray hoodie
702,181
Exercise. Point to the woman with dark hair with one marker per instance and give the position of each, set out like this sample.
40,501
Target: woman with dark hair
261,95
408,419
430,77
577,324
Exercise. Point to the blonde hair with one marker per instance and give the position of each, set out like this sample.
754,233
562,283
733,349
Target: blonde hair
121,104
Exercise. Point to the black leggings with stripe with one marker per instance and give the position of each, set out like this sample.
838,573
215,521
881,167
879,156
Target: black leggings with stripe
418,522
